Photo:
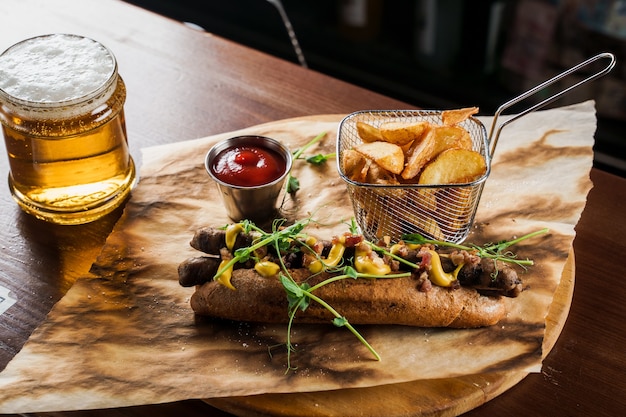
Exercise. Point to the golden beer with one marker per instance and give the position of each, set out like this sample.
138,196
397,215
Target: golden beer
62,115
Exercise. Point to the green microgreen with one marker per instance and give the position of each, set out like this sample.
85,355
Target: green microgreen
293,184
353,227
280,237
496,251
400,259
320,159
300,295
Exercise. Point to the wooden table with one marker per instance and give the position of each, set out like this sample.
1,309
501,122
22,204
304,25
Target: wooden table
182,84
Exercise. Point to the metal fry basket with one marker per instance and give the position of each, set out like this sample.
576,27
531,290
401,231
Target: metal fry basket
443,211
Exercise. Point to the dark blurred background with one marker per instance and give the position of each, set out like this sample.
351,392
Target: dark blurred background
440,53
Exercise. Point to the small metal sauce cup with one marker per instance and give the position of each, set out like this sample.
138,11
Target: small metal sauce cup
255,203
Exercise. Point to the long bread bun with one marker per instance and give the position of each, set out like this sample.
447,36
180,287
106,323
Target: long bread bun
362,301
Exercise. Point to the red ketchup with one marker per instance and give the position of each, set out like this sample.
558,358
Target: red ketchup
248,166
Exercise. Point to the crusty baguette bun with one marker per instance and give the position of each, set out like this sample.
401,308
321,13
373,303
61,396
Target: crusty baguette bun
362,301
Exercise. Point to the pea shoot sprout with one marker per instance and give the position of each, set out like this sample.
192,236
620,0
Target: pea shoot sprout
293,184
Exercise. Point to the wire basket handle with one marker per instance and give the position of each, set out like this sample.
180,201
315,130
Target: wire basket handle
493,141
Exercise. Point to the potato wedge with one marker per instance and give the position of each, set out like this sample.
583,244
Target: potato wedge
388,155
419,154
354,165
453,117
425,224
450,137
368,133
386,225
454,166
402,133
455,206
424,200
378,175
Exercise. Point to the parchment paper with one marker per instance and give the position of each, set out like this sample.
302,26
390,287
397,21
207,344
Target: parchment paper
129,337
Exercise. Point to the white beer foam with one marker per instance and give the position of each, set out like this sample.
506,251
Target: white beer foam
55,68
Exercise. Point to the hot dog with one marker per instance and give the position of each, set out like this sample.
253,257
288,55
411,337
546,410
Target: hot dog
474,296
382,301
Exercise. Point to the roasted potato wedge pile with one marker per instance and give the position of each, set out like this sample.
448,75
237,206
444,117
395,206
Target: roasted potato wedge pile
404,152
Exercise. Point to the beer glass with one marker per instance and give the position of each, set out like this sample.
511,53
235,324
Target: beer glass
62,115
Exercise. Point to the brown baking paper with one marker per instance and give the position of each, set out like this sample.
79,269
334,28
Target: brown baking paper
129,337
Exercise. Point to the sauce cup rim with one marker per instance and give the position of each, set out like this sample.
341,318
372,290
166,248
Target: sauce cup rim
257,140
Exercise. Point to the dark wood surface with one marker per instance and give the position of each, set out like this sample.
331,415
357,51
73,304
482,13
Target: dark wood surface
183,84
